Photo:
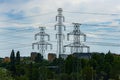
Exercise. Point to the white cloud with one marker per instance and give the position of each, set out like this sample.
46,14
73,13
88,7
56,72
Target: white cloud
39,7
35,7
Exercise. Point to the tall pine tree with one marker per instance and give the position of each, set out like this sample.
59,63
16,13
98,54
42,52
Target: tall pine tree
12,63
18,57
12,57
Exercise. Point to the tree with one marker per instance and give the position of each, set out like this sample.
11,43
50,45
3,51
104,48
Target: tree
109,52
38,58
4,75
88,73
93,63
12,57
43,73
29,71
74,76
116,68
12,63
84,63
71,64
18,57
107,70
64,76
32,72
20,70
109,57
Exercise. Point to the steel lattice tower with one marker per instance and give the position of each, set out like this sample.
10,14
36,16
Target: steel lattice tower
77,46
60,35
42,44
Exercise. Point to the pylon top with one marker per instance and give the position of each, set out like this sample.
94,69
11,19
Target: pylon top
60,10
76,23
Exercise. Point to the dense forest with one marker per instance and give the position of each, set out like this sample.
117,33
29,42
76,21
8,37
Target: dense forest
100,66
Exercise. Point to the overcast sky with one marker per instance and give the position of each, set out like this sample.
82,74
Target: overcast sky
20,19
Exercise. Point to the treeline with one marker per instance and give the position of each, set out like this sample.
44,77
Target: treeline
99,67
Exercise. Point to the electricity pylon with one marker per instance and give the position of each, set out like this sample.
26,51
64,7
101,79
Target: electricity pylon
60,35
42,44
77,46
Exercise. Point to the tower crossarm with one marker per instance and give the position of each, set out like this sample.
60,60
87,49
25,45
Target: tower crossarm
62,25
73,45
88,48
41,34
49,45
36,43
84,35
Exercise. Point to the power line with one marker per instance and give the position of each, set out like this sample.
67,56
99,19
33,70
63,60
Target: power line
56,41
16,43
84,24
104,44
102,34
104,38
93,13
16,36
99,25
17,29
19,18
90,43
28,24
17,47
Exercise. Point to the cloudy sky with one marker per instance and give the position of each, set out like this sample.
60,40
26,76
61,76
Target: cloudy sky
20,19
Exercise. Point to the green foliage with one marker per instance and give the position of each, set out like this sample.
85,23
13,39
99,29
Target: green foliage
21,78
84,63
18,57
12,57
4,75
99,67
64,76
59,62
75,76
20,70
109,57
12,67
88,73
43,73
71,64
38,58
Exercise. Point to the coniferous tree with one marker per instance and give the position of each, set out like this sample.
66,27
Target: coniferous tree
109,52
12,63
109,57
12,57
18,57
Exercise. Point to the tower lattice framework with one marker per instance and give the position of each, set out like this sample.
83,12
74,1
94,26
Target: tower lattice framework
42,44
60,36
77,46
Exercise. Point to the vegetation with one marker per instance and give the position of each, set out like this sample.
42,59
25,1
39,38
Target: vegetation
5,75
99,67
